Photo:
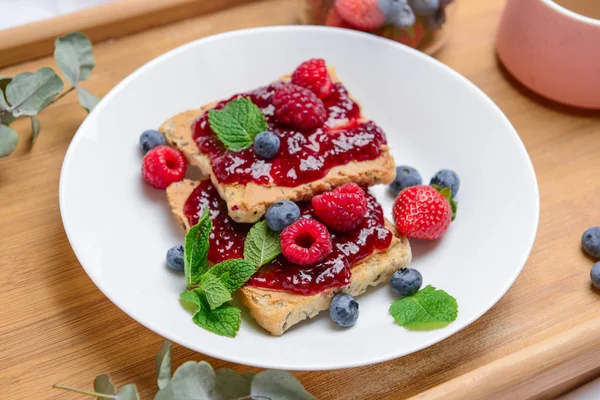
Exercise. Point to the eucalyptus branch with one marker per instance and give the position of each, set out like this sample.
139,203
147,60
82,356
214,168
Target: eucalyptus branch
60,96
71,389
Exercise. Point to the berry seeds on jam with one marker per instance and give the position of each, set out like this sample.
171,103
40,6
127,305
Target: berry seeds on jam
303,156
227,241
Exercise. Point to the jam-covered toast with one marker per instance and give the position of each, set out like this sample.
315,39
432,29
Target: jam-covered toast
274,309
348,148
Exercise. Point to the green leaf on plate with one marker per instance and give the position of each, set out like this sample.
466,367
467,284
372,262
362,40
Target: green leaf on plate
429,307
224,320
262,244
74,57
215,292
29,93
233,273
163,365
238,123
196,249
86,99
8,140
280,385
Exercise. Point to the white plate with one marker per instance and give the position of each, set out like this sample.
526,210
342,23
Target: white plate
120,228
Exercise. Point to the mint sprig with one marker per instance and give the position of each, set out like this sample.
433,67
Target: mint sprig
429,308
262,244
237,124
210,289
196,249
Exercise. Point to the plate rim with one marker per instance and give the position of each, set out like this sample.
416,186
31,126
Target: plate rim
283,365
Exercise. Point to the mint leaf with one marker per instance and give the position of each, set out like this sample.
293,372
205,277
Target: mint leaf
73,55
237,124
262,244
215,292
196,249
28,93
190,299
428,307
8,140
233,273
224,320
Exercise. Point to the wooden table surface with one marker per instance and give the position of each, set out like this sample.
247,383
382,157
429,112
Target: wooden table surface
57,327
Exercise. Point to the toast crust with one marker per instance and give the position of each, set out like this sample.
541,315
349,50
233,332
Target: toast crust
251,200
275,310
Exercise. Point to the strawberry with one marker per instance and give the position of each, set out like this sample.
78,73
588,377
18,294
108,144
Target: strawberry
363,14
423,212
334,19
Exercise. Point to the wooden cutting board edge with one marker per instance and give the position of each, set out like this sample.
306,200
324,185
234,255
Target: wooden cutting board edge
106,21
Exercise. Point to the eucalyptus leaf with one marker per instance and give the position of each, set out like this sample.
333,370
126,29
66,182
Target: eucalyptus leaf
6,117
35,128
192,380
128,392
163,365
29,93
74,57
86,99
4,81
103,384
231,385
280,385
8,140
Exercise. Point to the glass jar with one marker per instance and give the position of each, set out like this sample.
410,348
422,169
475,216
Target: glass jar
422,24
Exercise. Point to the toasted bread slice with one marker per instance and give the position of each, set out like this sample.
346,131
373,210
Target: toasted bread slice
277,311
249,202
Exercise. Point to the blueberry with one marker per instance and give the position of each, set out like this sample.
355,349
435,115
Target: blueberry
590,241
282,214
595,275
150,139
266,144
405,176
446,178
391,7
424,7
343,310
405,18
406,281
175,258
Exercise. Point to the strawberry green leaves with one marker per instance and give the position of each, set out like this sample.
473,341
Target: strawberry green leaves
427,309
210,289
237,124
196,250
447,193
262,244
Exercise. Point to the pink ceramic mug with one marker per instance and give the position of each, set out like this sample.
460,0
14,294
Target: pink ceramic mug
552,50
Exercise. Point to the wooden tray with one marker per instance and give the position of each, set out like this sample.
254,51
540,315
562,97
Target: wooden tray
541,339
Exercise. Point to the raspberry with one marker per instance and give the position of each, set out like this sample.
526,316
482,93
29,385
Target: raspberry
298,107
162,166
364,14
313,75
421,212
334,19
306,242
343,209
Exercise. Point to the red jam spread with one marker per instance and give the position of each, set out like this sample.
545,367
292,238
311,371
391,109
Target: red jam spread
303,156
227,241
